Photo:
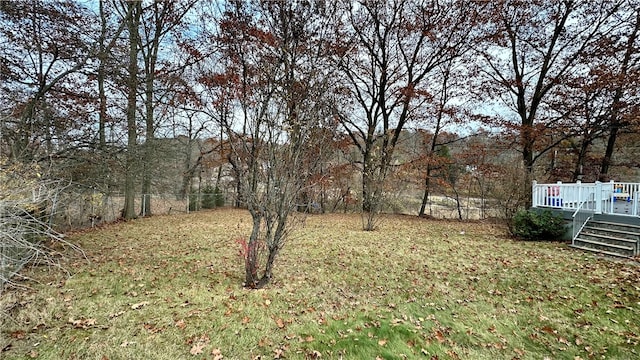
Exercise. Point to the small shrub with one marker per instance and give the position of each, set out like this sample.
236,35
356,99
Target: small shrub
545,225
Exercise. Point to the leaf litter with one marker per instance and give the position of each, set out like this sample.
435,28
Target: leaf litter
440,290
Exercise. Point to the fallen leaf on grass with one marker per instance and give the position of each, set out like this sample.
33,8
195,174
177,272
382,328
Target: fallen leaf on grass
18,334
548,330
152,328
280,323
115,315
217,354
198,343
139,305
82,323
180,324
197,348
382,342
264,342
453,354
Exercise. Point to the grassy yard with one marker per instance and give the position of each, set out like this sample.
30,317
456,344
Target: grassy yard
171,288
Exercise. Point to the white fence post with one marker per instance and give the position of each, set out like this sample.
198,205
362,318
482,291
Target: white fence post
598,197
579,192
612,196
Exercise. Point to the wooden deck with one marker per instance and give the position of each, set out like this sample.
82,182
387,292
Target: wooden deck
593,203
613,198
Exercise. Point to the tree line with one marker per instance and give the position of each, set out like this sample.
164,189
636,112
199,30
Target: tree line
299,95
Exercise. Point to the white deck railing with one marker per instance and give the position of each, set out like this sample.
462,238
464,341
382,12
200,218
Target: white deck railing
607,197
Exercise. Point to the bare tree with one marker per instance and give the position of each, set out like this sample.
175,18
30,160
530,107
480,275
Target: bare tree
133,23
532,46
44,44
107,61
440,114
159,21
620,80
387,52
272,48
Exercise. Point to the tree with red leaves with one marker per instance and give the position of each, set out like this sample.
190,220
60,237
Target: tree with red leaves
42,89
272,59
531,49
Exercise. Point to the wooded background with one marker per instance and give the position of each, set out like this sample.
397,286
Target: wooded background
136,108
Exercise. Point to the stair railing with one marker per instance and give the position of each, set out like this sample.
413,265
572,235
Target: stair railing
636,200
581,216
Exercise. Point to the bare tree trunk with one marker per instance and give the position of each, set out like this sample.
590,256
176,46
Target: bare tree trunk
132,138
150,56
252,253
188,172
608,154
149,150
369,179
458,204
527,159
102,59
425,196
582,155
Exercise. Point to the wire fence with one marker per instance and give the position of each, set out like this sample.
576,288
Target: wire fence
22,232
91,208
74,208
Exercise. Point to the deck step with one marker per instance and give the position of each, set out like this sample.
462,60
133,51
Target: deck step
613,231
608,237
599,251
606,245
609,223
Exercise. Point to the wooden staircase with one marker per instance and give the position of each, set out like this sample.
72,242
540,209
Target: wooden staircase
609,237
